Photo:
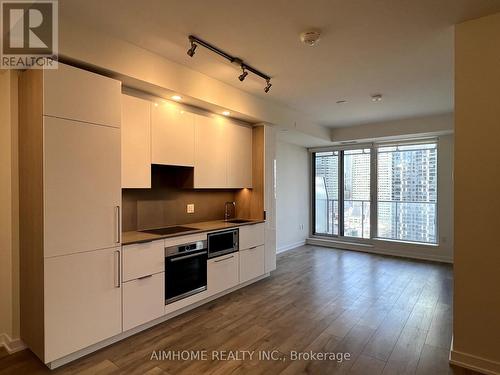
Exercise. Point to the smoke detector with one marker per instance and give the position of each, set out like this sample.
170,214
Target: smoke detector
310,37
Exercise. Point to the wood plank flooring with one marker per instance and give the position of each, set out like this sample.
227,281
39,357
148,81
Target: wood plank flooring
393,316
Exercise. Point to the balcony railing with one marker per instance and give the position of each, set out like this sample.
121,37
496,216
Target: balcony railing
350,222
396,219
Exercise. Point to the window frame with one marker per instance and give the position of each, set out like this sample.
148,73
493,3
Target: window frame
373,146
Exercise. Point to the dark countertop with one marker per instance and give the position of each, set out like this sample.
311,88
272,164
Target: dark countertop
132,237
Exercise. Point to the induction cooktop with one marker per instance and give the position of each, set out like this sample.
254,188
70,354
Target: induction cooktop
168,230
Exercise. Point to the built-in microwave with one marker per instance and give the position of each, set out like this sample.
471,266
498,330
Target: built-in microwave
223,242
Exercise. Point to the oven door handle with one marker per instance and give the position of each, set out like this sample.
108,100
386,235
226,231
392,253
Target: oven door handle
187,256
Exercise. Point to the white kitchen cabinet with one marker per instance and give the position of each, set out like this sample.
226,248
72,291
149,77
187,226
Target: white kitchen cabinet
81,186
210,167
82,300
136,142
239,156
251,235
252,263
143,259
172,137
143,300
69,210
222,273
77,94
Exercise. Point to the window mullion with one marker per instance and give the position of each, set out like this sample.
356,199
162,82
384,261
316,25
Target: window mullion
341,192
373,192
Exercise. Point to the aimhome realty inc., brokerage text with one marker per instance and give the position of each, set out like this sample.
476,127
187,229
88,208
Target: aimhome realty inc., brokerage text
247,355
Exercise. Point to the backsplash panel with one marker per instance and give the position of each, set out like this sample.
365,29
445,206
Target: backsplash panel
165,203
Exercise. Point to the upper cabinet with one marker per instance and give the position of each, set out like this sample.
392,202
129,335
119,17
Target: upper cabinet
223,153
172,138
239,156
210,152
220,150
77,94
136,142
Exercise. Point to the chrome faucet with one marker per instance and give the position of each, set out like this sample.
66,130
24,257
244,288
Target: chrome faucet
226,211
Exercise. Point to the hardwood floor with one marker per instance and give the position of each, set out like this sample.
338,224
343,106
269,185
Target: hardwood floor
393,316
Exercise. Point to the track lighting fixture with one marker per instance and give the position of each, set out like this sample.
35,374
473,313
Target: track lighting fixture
234,60
268,86
192,50
243,75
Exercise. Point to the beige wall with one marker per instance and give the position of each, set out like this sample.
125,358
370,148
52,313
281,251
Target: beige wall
9,251
411,127
477,185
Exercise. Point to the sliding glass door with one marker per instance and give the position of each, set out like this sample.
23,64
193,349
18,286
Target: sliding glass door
356,193
342,193
326,205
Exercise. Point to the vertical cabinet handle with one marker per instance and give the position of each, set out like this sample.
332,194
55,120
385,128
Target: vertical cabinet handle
118,277
118,226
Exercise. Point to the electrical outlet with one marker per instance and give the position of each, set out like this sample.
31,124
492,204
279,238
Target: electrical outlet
190,208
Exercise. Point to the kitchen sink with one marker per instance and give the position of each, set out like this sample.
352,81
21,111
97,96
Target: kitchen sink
238,221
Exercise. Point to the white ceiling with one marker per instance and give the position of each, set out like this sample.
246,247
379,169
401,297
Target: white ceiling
402,49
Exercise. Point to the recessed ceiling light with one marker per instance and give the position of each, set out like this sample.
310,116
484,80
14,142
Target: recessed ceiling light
226,113
177,98
376,98
342,101
156,104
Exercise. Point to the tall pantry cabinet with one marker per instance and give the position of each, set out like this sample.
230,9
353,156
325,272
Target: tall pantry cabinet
70,203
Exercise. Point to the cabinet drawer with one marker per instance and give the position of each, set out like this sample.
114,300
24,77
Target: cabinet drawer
143,300
222,273
143,259
251,236
77,94
252,263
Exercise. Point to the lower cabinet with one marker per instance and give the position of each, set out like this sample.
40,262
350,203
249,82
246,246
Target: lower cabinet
252,263
222,273
83,300
252,235
143,300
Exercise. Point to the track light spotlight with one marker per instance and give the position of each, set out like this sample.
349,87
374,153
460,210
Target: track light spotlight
192,50
243,75
268,86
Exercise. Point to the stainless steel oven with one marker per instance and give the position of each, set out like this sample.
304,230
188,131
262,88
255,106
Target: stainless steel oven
185,270
224,242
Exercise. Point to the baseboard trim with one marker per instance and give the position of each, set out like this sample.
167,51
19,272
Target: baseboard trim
368,248
10,344
472,362
291,246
